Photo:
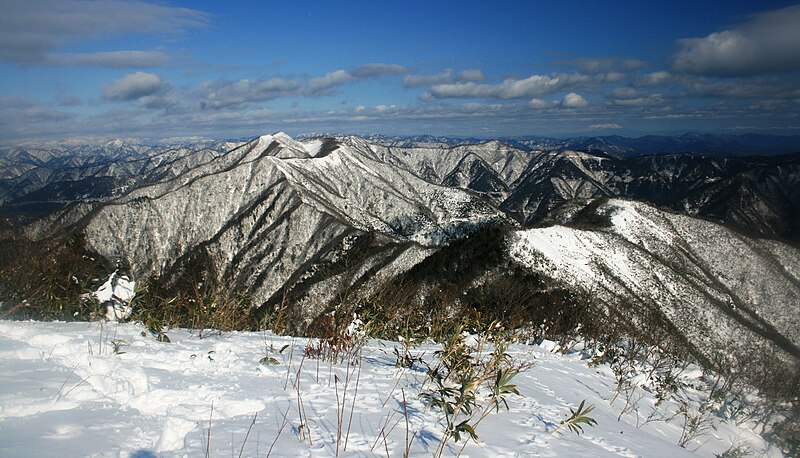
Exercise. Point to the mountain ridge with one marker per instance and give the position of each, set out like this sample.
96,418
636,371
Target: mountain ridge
311,222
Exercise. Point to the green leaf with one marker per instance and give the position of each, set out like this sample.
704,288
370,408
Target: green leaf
578,417
465,427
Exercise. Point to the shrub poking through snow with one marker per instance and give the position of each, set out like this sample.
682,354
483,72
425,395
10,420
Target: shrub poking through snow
337,343
579,416
404,358
468,382
118,345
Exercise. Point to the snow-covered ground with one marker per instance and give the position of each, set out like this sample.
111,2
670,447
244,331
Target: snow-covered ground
86,389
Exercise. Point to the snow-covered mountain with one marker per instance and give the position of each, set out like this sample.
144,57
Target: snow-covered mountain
691,142
275,217
525,178
723,290
757,194
269,214
615,145
43,178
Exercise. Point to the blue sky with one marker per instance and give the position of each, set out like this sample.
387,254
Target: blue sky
168,69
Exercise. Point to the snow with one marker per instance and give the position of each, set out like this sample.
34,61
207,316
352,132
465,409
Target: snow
104,389
700,275
559,248
313,146
631,220
117,293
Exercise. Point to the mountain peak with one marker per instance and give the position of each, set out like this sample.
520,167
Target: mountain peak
115,143
278,145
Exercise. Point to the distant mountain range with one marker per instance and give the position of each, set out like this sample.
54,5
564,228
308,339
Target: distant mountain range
39,179
615,145
731,178
675,234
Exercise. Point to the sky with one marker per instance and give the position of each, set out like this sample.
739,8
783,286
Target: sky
171,70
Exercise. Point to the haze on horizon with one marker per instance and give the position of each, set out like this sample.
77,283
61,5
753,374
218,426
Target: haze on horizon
167,69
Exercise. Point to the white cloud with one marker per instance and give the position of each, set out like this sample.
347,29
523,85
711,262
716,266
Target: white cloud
769,42
374,70
112,59
610,77
444,77
470,75
625,92
133,87
605,126
653,79
223,94
31,30
734,87
540,104
42,114
166,99
428,80
382,108
573,100
16,102
18,121
632,97
22,118
648,100
531,87
324,85
606,64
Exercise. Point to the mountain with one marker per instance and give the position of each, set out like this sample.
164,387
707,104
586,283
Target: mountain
615,145
268,215
671,241
524,177
45,178
723,290
756,194
692,143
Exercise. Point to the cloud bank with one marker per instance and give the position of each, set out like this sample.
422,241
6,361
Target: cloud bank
222,94
768,43
111,59
32,30
324,85
447,76
531,87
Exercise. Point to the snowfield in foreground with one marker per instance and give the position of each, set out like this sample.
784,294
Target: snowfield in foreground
65,391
